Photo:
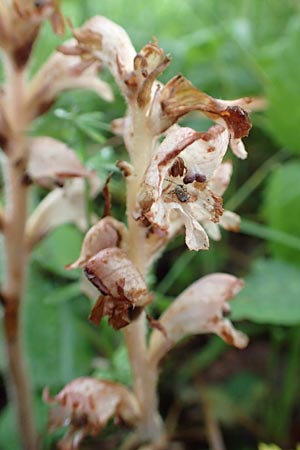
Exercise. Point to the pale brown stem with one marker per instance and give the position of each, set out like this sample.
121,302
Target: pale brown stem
213,431
144,377
15,258
2,220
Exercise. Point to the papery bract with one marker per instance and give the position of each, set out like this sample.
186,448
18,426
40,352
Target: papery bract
199,309
124,291
85,405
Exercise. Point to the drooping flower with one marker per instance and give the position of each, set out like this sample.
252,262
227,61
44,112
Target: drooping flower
201,308
85,405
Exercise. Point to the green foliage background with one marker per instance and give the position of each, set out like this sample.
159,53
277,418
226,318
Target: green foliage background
227,49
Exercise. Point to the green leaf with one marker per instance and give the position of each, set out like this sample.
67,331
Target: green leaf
60,248
271,294
282,208
283,89
57,350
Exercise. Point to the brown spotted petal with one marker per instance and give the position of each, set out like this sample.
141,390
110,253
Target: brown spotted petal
62,205
174,143
86,405
124,291
176,191
199,309
51,161
107,42
179,97
61,73
108,232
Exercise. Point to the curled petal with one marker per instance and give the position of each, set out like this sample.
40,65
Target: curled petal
199,309
51,161
179,97
62,205
108,232
60,73
149,63
124,291
85,405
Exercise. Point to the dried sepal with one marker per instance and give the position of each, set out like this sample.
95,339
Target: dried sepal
108,232
199,309
86,405
124,291
20,23
51,162
62,205
149,63
61,73
179,97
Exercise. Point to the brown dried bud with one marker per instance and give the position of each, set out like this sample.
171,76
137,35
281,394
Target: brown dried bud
122,286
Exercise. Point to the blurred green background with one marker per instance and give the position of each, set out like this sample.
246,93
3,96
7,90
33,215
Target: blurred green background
227,49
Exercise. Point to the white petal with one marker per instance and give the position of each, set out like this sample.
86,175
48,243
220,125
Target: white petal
238,148
221,178
230,221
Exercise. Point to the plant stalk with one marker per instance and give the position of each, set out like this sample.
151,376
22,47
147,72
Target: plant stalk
15,256
150,428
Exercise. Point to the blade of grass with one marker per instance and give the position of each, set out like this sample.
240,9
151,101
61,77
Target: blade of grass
255,180
269,234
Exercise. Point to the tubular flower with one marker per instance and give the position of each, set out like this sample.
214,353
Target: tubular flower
201,308
85,405
178,187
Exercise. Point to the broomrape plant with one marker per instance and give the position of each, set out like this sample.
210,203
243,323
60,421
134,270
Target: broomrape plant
175,179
